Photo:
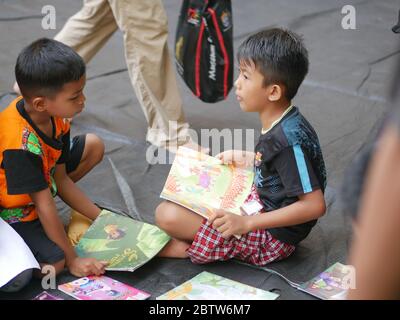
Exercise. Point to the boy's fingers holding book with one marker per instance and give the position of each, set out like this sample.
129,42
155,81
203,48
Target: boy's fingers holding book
101,265
223,229
225,157
211,219
220,155
96,268
219,219
227,234
214,215
104,263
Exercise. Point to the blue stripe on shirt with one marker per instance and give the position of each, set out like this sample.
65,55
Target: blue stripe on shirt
302,167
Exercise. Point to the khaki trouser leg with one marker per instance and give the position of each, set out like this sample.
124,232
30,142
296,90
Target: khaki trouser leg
89,29
145,30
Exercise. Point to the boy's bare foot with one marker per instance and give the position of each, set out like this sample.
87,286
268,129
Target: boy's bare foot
175,249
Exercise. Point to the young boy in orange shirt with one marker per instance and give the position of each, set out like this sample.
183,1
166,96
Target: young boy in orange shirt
37,158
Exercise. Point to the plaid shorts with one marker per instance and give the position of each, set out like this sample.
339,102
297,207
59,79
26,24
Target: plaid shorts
256,247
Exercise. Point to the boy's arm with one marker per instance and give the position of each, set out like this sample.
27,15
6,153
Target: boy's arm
47,212
310,206
73,196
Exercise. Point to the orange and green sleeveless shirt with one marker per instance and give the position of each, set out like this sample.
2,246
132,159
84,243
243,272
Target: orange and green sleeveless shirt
28,158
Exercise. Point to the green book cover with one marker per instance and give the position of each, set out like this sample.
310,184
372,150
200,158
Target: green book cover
125,243
201,183
209,286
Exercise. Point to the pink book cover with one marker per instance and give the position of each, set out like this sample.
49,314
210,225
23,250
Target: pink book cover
101,288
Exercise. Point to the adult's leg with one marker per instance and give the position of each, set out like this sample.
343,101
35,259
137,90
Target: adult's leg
89,29
145,29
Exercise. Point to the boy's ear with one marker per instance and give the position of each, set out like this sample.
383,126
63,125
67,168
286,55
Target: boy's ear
39,104
275,92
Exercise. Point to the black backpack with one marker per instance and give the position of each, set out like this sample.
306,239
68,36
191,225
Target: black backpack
204,48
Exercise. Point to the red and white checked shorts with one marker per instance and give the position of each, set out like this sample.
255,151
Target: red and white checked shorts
256,247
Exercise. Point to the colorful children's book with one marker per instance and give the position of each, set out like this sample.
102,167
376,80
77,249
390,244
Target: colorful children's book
201,183
125,243
46,296
332,284
209,286
101,288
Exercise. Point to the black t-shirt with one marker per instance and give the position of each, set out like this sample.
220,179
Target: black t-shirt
289,163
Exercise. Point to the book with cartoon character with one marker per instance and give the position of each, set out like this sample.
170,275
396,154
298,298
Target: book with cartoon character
101,288
201,183
125,243
209,286
332,284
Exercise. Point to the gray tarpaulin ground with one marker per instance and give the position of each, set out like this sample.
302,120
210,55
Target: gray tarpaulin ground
343,97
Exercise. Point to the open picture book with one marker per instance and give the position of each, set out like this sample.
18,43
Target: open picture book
125,243
209,286
331,284
201,183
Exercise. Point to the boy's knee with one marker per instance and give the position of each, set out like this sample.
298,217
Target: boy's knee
95,148
19,282
165,215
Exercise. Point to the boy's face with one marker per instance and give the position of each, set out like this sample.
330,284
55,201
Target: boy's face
69,101
252,95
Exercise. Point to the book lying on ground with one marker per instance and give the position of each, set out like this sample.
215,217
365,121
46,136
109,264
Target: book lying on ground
201,183
101,288
15,255
46,296
331,284
209,286
125,243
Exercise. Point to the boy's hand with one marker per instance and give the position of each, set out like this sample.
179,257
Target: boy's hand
82,267
229,224
238,158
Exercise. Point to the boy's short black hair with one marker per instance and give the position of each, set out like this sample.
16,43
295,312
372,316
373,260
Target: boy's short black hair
279,55
44,67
